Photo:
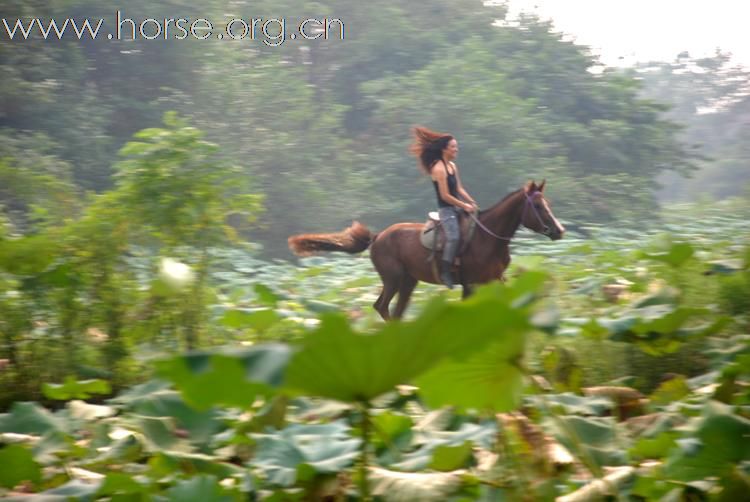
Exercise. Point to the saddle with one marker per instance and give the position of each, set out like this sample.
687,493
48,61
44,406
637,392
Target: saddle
432,235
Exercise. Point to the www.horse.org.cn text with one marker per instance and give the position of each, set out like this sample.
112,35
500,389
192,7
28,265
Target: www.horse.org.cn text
270,31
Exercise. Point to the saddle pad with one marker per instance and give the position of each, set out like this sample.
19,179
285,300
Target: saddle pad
432,236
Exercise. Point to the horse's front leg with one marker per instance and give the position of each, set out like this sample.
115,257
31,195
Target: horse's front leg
468,289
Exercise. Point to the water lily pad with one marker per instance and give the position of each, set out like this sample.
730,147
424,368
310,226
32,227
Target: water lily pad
325,448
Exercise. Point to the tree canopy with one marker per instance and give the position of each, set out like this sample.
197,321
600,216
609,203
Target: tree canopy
322,126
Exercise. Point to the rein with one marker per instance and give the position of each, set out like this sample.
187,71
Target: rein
481,225
529,203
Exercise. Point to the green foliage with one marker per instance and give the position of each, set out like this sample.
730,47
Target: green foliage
233,379
257,319
283,442
705,94
594,439
35,185
304,120
337,363
451,458
115,484
490,379
448,450
27,255
670,391
198,489
657,447
734,291
98,286
676,256
299,452
30,418
716,448
571,404
162,166
18,465
255,422
75,389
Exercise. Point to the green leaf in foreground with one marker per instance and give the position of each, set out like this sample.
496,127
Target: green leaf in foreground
17,465
490,379
234,379
722,441
338,363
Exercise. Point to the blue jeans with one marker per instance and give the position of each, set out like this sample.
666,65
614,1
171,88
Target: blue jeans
449,220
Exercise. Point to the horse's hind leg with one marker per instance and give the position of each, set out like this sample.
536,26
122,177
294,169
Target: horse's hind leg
386,295
405,289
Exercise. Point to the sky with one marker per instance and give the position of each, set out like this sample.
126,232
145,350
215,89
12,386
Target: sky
623,32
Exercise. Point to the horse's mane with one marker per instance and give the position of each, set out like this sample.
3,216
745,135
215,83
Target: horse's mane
498,204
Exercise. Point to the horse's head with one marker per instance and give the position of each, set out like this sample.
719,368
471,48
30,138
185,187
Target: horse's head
537,215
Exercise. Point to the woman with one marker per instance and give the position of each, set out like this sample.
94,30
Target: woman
436,153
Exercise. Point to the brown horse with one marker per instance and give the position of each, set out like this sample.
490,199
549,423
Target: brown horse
402,261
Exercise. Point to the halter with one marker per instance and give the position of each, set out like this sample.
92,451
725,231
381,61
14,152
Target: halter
529,203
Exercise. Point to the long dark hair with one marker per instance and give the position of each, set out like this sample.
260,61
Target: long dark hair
428,146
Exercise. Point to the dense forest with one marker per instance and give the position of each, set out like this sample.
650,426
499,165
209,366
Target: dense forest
159,342
321,127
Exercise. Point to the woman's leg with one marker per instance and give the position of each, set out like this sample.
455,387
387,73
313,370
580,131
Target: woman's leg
449,220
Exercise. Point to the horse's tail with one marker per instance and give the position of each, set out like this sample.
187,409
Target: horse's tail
354,239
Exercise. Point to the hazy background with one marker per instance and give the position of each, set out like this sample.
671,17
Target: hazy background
651,112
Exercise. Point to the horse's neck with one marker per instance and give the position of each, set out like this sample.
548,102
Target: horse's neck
504,218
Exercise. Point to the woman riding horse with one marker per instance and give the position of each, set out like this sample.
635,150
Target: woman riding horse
436,153
401,260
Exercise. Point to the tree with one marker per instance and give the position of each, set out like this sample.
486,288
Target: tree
180,196
35,185
523,104
709,97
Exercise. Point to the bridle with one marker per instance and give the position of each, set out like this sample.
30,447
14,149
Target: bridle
546,230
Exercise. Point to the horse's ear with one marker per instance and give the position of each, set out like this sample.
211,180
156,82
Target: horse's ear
530,187
541,187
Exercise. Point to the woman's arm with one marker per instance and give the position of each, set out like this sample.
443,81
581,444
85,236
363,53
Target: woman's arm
441,177
461,190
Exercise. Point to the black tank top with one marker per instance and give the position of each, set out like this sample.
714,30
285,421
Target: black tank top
452,188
